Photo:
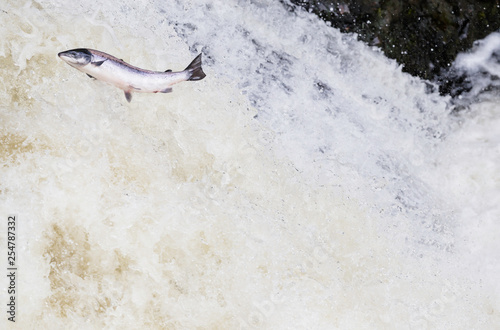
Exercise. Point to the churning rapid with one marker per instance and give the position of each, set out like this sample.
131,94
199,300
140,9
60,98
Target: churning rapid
305,183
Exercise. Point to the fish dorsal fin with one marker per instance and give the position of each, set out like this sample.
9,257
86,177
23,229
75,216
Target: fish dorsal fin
168,70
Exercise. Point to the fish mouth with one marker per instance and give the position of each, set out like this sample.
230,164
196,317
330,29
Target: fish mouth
76,56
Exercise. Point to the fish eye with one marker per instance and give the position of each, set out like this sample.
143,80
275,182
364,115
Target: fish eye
77,56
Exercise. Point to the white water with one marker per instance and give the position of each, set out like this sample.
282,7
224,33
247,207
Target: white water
306,183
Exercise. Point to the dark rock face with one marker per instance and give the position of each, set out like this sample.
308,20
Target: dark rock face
423,35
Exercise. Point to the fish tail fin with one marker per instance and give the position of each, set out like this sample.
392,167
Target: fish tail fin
195,70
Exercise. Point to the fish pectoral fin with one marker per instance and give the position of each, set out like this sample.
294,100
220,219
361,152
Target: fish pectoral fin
98,63
128,96
166,90
90,76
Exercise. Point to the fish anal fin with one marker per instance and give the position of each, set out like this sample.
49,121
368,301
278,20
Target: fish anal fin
128,96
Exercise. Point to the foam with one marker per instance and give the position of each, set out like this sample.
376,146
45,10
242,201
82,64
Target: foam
481,68
305,183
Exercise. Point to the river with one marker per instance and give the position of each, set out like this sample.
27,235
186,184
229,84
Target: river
305,183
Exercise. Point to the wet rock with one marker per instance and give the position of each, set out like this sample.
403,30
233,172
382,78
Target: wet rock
423,36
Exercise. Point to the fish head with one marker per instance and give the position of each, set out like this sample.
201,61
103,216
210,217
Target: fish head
76,57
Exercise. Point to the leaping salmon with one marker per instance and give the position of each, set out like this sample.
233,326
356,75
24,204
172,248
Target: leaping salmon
105,67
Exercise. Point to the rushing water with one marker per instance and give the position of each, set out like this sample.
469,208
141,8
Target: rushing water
306,183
